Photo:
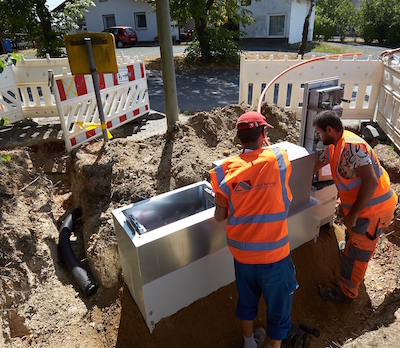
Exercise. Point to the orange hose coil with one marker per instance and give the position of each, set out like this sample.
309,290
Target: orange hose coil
297,65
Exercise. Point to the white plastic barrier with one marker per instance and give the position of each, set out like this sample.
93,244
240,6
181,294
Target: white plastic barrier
31,76
124,97
388,112
360,78
10,106
25,91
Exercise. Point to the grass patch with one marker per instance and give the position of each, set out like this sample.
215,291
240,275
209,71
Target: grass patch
154,63
324,47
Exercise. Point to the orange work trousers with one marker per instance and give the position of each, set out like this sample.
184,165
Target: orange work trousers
361,242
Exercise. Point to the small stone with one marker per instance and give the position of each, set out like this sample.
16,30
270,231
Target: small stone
147,159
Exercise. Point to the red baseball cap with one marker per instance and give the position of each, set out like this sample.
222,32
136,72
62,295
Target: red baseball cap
251,119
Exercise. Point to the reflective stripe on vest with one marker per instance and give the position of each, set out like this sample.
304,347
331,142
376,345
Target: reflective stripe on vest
219,172
260,246
357,182
348,188
327,154
257,233
232,220
374,201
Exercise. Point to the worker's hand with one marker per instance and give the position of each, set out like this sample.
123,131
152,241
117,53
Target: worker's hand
221,213
350,220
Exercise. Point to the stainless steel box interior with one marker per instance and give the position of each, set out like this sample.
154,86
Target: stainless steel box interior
180,230
180,233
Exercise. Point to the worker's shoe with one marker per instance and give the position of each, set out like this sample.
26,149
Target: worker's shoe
259,336
334,295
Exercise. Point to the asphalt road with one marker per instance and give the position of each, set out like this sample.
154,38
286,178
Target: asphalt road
196,90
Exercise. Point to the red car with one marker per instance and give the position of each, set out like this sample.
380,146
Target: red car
123,35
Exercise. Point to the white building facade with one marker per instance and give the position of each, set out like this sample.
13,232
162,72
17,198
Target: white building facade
274,19
137,14
279,19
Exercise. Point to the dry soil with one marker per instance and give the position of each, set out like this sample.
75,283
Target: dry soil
43,306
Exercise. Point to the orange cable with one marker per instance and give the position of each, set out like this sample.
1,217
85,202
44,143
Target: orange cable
297,65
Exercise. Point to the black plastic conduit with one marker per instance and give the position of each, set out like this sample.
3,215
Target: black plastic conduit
84,279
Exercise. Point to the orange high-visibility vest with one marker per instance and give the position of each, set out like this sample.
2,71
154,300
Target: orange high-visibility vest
384,197
256,185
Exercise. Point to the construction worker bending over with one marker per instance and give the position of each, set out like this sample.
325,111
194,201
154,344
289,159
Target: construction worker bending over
366,197
252,192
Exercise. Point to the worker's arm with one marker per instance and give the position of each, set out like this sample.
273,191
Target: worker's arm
221,213
318,164
221,207
367,190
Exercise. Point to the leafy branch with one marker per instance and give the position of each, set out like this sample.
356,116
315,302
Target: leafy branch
11,58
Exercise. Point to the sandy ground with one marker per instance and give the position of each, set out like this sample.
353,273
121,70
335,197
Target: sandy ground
42,305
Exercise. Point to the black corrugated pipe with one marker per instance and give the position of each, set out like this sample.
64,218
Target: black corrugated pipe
84,279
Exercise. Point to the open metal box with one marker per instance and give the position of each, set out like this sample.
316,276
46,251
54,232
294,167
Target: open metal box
172,250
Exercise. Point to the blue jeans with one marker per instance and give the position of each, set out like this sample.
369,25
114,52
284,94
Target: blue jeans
277,283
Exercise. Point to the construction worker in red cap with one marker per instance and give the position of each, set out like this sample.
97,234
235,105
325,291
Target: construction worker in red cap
252,192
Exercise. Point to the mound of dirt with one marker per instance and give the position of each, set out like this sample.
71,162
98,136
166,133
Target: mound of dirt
42,305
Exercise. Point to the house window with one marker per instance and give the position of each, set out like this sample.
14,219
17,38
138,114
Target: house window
140,20
81,24
276,26
108,21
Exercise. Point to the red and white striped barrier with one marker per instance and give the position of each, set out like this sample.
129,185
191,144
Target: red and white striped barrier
74,86
124,97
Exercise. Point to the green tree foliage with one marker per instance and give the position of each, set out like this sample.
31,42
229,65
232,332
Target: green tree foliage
11,58
33,18
380,20
334,17
214,41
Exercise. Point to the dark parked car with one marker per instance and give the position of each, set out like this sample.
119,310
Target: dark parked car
123,35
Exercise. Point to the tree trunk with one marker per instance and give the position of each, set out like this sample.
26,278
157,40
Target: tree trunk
203,42
303,43
49,35
2,47
201,28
